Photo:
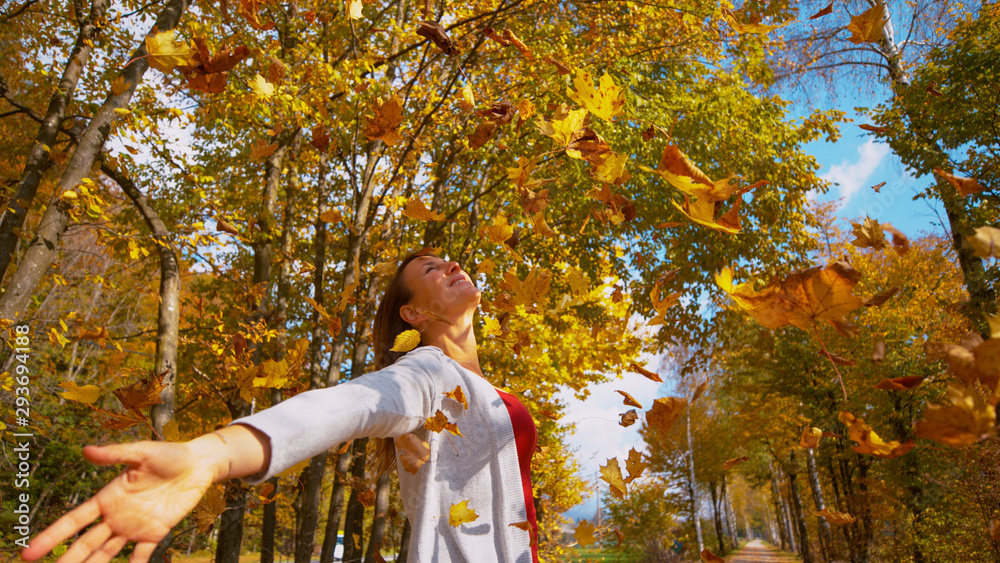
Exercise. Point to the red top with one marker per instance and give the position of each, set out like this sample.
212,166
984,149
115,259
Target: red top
526,437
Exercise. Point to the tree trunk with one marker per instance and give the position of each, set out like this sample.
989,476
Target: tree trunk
45,244
805,549
336,510
691,482
38,156
404,543
826,547
377,536
730,515
779,512
719,535
354,530
269,524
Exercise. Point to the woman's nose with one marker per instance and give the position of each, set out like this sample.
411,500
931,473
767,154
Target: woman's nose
452,267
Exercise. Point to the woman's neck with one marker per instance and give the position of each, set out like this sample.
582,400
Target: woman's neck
457,341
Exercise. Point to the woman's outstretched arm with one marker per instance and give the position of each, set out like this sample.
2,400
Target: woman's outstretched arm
163,482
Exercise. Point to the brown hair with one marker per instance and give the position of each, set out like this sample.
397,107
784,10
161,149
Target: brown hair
388,325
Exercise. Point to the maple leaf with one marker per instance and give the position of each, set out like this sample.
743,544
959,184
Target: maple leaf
534,288
810,438
869,235
458,396
611,169
388,116
584,533
628,418
86,394
606,101
825,11
209,508
499,231
413,452
975,360
261,150
900,383
541,227
833,517
415,209
406,341
612,475
271,374
801,299
634,465
165,53
965,186
208,83
664,413
440,422
261,87
526,526
868,441
645,372
512,39
437,34
730,463
118,420
752,26
703,213
867,26
460,513
532,202
880,298
629,400
985,243
98,335
482,135
900,243
660,305
143,393
878,187
966,420
320,138
250,10
709,557
571,135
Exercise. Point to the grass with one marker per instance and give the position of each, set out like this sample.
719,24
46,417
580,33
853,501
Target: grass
592,554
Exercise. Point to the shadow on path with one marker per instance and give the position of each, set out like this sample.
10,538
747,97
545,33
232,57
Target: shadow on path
757,552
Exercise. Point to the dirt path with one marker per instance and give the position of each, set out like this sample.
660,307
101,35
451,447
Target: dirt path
757,552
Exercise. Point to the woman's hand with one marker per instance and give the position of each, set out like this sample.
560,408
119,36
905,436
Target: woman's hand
164,481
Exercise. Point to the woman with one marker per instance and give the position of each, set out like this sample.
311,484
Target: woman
484,466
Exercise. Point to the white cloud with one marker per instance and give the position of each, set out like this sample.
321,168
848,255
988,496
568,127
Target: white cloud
852,176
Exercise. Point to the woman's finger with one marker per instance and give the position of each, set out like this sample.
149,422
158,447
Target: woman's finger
116,454
108,550
88,543
70,523
142,552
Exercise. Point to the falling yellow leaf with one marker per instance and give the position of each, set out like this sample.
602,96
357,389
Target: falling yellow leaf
833,517
709,557
868,442
985,243
867,26
570,133
209,508
261,87
261,150
383,125
541,227
466,98
965,186
354,9
665,413
612,475
458,396
331,216
645,372
606,101
86,394
634,465
700,390
810,438
415,209
119,86
966,420
629,401
868,234
584,533
499,231
440,422
461,514
406,341
413,452
730,463
165,53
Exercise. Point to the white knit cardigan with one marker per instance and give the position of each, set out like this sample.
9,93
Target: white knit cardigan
481,466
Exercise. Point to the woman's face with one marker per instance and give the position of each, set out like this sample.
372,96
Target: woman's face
440,287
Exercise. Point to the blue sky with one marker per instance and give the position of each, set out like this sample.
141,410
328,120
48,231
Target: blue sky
854,164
